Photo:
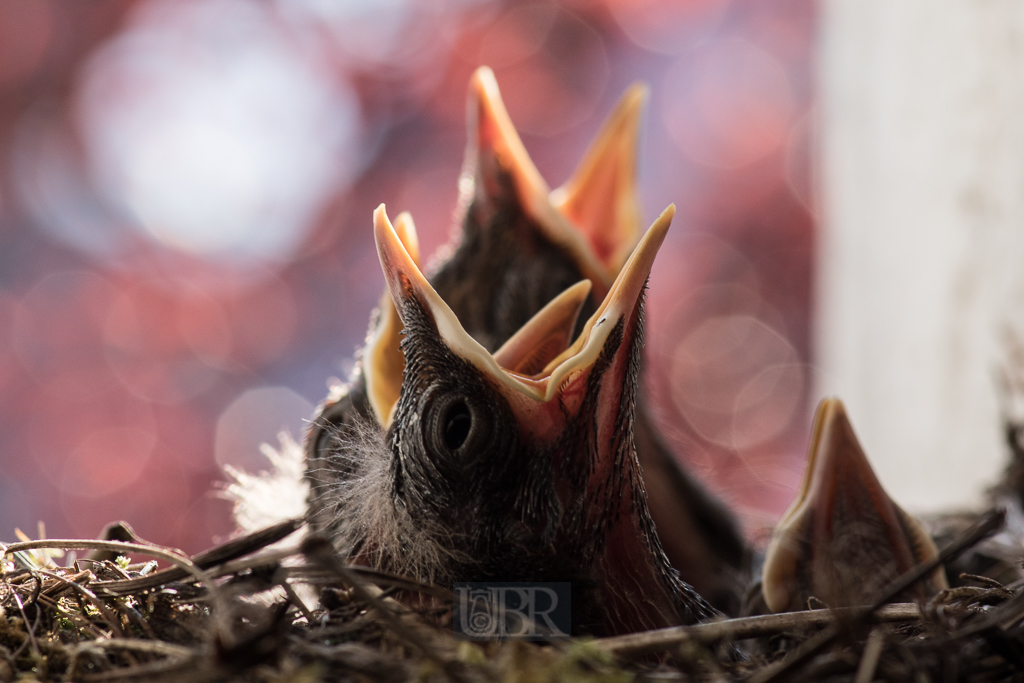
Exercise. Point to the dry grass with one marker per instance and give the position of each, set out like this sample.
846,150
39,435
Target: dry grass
246,611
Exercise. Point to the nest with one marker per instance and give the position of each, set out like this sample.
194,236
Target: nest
250,612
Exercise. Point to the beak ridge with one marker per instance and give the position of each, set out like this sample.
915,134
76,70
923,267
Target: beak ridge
407,284
546,335
600,197
383,362
495,133
623,295
495,151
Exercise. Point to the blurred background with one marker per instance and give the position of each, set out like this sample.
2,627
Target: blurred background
186,254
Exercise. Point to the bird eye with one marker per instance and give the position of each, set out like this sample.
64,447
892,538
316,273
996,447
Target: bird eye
457,426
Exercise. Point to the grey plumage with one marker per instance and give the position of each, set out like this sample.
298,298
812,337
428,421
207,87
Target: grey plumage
460,490
503,270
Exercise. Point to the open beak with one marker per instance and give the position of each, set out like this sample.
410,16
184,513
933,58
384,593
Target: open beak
383,362
530,388
496,156
525,353
596,220
843,538
529,350
600,197
561,452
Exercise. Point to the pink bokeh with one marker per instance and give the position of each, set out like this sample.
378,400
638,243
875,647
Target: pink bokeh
191,227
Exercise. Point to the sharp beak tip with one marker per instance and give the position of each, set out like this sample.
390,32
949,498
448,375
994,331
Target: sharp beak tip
482,77
385,238
395,260
381,222
833,406
484,92
836,423
656,234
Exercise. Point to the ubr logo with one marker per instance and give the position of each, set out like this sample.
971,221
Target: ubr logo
502,611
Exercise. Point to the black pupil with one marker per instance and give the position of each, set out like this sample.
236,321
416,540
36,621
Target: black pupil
457,426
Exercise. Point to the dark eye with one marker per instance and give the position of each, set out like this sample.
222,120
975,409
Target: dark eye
457,426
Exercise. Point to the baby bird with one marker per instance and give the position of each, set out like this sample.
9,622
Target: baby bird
514,465
521,245
843,539
517,252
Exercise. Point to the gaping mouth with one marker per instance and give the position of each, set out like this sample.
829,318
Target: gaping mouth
508,367
593,217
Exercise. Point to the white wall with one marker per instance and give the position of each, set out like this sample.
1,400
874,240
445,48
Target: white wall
921,257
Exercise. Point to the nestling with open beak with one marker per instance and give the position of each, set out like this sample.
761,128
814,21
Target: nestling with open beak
514,465
517,251
843,539
521,245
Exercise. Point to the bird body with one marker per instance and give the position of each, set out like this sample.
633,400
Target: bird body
486,473
521,245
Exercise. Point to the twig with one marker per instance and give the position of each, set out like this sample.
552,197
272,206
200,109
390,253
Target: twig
992,523
81,578
152,671
81,621
123,587
153,647
1003,617
175,558
320,551
310,574
280,578
742,628
30,630
109,616
869,658
177,655
220,555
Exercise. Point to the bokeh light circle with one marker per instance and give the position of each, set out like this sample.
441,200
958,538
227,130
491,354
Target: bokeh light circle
556,71
62,429
214,131
255,418
667,26
106,460
767,404
26,31
152,503
57,329
166,348
728,103
736,381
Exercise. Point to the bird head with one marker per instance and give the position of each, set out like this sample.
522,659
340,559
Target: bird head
521,462
843,539
521,244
